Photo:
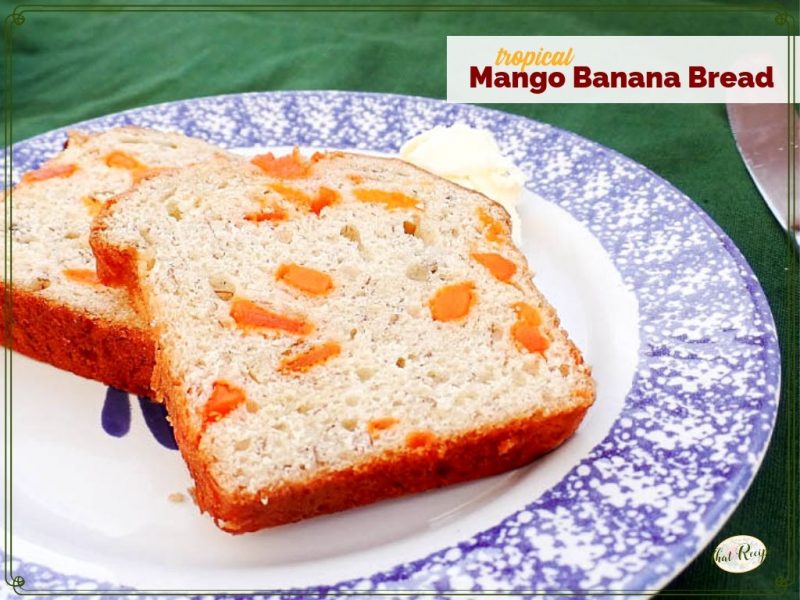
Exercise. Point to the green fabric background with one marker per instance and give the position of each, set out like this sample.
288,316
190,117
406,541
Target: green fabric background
72,66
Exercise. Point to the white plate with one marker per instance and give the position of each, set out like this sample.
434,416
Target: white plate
92,510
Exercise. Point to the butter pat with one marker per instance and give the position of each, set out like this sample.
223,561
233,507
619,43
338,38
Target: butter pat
471,158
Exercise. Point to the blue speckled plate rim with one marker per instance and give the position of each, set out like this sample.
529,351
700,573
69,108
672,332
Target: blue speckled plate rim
717,513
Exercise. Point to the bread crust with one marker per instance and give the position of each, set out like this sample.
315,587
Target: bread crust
109,351
473,455
115,266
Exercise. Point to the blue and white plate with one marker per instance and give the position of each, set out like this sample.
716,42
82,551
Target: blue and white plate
663,305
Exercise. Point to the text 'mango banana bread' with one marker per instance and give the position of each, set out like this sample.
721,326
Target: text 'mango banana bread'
61,312
335,331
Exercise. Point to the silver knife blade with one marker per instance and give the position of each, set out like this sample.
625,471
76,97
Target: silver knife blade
761,132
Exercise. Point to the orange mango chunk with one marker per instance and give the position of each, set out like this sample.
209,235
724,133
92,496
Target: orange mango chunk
93,205
225,397
122,160
529,337
139,174
250,315
86,276
291,166
318,156
48,172
304,279
310,358
496,231
292,194
325,197
501,268
526,332
419,439
452,302
275,214
527,313
376,425
390,200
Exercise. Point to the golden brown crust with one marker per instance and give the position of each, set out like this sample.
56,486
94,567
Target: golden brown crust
470,456
86,345
116,266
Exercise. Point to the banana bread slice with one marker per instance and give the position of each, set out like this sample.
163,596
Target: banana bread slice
335,331
60,313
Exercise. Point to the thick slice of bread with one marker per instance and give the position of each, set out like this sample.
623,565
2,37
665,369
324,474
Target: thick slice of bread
354,330
61,314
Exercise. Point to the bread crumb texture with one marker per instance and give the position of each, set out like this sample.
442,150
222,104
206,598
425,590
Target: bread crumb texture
389,337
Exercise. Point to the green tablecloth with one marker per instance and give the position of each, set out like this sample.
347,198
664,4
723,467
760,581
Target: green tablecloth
73,66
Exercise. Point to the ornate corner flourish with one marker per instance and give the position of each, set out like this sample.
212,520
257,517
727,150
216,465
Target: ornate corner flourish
786,19
782,582
18,18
